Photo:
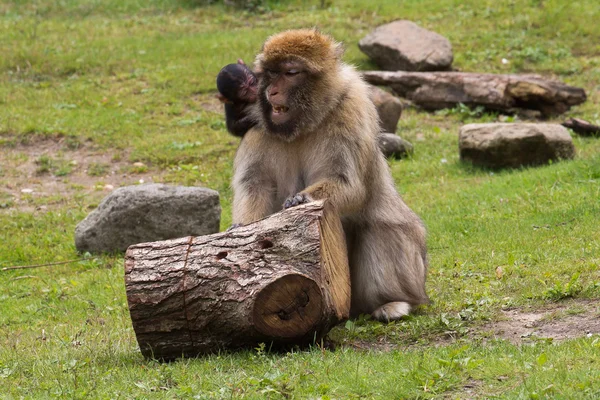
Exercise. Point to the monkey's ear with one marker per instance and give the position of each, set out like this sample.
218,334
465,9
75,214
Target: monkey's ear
258,68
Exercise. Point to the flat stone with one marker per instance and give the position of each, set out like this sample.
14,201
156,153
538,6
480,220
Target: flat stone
500,145
148,213
404,45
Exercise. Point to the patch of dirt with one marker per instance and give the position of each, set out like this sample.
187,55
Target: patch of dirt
556,321
565,320
44,171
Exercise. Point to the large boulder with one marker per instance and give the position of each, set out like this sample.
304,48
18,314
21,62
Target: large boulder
392,145
404,45
147,213
389,108
498,145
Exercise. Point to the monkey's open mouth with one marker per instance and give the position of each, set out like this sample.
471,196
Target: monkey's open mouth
280,109
280,114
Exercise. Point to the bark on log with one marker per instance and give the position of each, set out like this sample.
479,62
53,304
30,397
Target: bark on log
582,127
281,280
437,90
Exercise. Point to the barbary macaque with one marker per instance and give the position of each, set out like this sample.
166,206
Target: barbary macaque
237,87
315,138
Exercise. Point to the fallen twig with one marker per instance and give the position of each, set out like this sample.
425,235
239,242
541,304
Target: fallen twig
44,265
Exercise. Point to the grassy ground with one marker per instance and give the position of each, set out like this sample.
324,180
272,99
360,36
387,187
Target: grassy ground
96,93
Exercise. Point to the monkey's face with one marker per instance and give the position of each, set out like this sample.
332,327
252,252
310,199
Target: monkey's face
248,88
237,83
282,96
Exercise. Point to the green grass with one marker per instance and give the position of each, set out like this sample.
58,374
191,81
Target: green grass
135,80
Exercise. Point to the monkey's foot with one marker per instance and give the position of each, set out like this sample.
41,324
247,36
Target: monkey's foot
297,199
233,226
391,311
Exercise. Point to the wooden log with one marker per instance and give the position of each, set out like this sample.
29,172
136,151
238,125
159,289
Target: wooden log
282,280
582,127
437,90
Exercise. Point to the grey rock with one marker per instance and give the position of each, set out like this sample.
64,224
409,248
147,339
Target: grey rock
499,145
148,213
404,45
389,108
392,145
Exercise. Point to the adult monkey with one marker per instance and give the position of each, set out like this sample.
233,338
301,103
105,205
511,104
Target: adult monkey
316,139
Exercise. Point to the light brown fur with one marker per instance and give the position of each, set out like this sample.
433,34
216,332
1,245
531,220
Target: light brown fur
316,50
334,155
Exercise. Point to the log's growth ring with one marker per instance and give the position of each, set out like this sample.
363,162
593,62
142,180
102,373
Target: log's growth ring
288,307
284,279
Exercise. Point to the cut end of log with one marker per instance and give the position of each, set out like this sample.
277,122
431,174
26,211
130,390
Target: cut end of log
288,307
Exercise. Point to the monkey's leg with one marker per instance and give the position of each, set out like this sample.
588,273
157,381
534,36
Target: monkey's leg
392,311
238,119
388,270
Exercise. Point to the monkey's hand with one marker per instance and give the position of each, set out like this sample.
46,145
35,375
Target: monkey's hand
223,99
297,199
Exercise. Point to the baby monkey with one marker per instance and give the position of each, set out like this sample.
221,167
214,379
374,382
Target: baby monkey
238,88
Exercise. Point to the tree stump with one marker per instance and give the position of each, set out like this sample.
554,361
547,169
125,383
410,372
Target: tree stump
436,90
281,280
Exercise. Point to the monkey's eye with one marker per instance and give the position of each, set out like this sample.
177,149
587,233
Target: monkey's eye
292,72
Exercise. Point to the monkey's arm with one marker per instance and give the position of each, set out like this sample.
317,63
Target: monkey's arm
252,196
338,180
238,118
253,186
345,197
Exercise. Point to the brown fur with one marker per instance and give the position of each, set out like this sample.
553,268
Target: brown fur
319,52
333,155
